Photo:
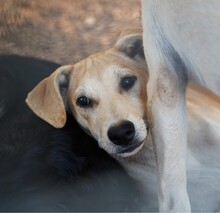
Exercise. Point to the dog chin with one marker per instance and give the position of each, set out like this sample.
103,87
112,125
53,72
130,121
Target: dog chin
127,152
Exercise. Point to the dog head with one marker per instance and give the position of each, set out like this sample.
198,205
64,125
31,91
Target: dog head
106,93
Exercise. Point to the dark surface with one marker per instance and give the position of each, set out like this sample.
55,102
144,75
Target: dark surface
18,76
48,169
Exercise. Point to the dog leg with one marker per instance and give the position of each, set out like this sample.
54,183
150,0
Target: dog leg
168,120
167,114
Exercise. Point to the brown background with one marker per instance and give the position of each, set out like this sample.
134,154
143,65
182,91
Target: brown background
63,31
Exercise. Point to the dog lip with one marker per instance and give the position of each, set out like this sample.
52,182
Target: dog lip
130,148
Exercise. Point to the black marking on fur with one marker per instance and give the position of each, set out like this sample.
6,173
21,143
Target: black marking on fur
173,59
135,49
63,84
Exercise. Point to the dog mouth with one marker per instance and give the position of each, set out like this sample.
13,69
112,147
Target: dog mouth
129,149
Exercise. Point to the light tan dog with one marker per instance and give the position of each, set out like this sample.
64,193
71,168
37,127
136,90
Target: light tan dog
106,93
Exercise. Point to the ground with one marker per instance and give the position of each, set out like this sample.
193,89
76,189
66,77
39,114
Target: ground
64,31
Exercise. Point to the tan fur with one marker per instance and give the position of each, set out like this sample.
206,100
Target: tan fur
45,100
98,77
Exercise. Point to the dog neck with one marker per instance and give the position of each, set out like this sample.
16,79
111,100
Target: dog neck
141,162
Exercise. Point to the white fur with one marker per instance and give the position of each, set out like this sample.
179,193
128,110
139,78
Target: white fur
181,38
203,166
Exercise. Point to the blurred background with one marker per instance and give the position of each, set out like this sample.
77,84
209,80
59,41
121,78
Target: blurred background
63,31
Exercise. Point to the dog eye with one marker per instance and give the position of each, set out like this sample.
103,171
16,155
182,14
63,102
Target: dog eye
83,102
128,82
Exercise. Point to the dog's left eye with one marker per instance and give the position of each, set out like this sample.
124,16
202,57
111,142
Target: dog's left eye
84,102
128,82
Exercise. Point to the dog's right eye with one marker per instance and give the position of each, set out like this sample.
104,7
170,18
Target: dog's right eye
128,82
84,102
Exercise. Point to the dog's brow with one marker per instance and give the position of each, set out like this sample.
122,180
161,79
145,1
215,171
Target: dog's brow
88,88
117,71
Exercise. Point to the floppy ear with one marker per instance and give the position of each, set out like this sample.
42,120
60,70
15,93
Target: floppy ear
131,44
48,99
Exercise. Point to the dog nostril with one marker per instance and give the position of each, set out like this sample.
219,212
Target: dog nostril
129,135
122,134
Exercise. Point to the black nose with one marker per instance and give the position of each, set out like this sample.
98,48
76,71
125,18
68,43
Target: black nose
122,133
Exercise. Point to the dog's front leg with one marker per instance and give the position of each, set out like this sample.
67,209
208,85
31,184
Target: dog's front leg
167,117
168,121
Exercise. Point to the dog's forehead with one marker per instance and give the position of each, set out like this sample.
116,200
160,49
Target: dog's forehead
97,82
101,67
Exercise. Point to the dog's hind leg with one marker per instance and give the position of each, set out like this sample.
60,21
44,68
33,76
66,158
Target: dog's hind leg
167,117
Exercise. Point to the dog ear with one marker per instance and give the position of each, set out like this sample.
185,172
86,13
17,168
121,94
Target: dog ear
130,43
48,99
